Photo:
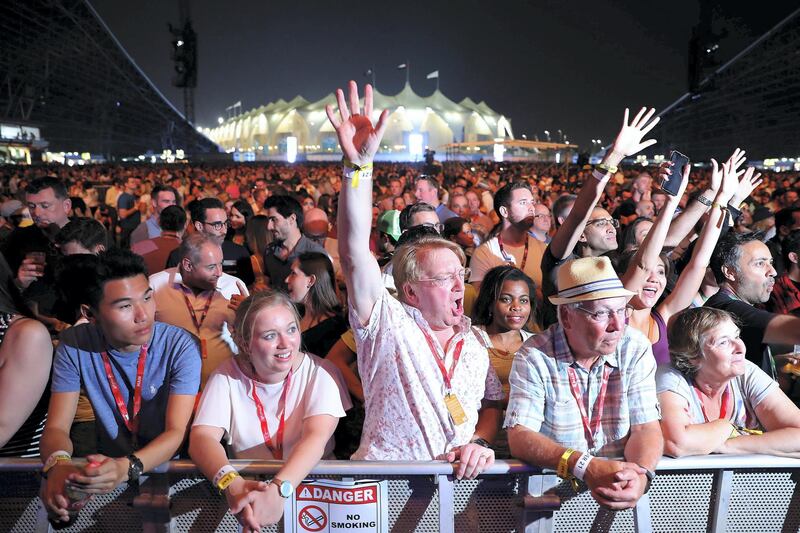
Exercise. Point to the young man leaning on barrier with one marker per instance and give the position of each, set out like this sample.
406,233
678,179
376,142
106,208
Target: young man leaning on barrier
583,392
429,389
140,376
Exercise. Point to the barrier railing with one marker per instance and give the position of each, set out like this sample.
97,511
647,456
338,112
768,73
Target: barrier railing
715,493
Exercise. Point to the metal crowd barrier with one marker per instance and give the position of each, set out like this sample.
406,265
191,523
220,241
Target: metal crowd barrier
736,493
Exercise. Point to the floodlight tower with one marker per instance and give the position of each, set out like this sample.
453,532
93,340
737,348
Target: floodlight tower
184,55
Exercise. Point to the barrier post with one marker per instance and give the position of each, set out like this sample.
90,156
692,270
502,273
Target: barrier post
539,506
447,521
153,504
721,499
642,522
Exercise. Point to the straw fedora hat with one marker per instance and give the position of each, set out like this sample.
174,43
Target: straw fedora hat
586,279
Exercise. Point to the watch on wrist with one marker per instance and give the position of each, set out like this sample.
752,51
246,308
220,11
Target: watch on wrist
135,468
650,477
285,488
482,442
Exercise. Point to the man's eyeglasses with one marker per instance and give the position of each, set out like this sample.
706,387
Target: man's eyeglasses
438,226
218,225
444,280
601,223
603,316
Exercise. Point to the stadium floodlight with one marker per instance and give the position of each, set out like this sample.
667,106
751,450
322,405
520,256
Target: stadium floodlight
415,144
291,149
220,120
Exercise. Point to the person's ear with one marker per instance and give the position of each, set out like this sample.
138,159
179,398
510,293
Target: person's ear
503,211
87,313
728,273
409,294
198,226
186,265
312,279
793,258
98,249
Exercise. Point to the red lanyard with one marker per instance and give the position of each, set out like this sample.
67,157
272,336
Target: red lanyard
723,408
277,448
197,323
590,428
524,254
447,376
130,421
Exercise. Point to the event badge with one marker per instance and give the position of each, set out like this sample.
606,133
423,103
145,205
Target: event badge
454,408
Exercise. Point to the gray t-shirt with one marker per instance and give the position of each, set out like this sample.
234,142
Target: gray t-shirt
749,390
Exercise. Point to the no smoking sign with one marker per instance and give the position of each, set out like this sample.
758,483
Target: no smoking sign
312,518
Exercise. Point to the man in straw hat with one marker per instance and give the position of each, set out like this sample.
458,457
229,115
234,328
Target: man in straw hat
584,391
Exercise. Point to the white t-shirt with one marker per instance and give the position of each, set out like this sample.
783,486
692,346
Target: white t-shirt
317,388
749,390
488,255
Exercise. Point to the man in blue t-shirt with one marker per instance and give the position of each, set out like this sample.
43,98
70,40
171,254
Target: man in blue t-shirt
140,376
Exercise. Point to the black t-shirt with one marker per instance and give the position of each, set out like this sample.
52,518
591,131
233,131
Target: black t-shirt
550,267
753,323
320,339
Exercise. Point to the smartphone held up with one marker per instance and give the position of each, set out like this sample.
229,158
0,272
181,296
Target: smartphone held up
672,184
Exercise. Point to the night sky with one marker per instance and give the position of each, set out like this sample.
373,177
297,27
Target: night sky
547,65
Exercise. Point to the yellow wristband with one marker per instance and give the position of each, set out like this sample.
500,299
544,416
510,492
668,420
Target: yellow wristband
563,464
608,169
354,172
734,432
226,480
53,460
722,208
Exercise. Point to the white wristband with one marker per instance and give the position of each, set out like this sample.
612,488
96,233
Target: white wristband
56,454
580,467
600,176
365,173
221,473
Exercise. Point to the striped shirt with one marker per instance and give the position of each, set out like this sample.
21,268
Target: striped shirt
542,400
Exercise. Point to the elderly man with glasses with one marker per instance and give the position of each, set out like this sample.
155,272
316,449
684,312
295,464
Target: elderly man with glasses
583,394
430,392
209,218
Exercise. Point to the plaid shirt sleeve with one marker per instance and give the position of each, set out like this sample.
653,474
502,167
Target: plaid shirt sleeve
526,402
642,400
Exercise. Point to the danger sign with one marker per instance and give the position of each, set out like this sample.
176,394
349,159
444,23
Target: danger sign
332,506
312,518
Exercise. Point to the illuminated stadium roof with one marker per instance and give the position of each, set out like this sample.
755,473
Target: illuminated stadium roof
415,121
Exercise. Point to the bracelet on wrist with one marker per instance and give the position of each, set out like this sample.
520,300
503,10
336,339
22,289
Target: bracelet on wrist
607,169
582,465
59,456
481,442
356,172
705,201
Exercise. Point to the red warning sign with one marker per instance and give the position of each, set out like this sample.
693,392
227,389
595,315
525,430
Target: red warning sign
312,518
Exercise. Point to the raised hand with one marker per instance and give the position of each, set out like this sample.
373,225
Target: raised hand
730,175
749,182
629,139
357,137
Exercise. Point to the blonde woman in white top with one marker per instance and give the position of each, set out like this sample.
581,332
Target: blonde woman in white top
273,401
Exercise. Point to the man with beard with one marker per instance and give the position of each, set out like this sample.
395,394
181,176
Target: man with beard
742,266
590,361
209,218
514,204
196,297
284,220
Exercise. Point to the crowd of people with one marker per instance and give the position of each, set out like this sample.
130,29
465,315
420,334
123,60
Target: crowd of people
587,322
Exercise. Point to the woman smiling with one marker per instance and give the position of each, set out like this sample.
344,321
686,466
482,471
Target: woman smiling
715,401
273,401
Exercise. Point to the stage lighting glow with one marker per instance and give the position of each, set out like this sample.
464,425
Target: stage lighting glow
415,144
291,149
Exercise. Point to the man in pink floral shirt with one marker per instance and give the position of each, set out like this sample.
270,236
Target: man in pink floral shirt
429,389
